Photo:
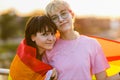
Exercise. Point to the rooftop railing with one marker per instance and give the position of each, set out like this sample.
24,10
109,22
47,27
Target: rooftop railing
4,71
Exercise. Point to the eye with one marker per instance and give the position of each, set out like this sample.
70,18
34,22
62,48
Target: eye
45,34
64,14
54,18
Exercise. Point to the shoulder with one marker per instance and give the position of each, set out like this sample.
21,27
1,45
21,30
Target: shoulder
88,39
90,42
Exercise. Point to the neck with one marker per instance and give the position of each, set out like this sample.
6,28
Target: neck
40,53
69,35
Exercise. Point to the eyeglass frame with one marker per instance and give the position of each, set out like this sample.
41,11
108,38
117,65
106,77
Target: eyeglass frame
63,14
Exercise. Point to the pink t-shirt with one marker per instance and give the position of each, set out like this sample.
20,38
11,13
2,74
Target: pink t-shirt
77,59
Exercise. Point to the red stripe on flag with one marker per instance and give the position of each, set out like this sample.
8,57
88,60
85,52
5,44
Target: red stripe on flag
105,39
113,58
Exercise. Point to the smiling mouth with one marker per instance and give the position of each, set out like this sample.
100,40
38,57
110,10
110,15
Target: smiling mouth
49,43
63,24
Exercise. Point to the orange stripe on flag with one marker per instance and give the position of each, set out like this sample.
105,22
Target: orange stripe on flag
111,48
19,71
112,52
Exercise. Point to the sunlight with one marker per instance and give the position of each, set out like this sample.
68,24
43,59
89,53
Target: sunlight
82,7
29,6
23,6
96,7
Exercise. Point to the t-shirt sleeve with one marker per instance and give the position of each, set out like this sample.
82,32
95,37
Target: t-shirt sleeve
99,61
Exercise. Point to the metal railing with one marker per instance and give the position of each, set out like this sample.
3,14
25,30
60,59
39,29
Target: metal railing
4,71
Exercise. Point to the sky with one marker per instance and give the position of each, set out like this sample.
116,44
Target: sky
80,7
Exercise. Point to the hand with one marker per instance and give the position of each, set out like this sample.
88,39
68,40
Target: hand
54,74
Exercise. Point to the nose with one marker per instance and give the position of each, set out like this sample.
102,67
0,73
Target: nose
60,18
50,37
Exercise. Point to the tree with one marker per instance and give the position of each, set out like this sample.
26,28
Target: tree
8,26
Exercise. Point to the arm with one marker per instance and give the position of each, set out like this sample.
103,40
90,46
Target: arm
103,76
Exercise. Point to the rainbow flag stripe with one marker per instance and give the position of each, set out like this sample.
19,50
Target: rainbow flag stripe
25,66
111,49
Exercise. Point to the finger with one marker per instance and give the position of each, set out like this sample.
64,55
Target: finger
55,76
53,73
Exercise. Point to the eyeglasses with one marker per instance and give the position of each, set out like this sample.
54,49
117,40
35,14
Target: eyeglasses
64,14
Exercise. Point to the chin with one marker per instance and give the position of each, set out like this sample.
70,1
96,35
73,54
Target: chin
49,48
66,29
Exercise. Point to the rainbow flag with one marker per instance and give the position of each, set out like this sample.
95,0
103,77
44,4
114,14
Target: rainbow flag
111,49
25,66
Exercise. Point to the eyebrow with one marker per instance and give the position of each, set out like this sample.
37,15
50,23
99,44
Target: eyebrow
60,12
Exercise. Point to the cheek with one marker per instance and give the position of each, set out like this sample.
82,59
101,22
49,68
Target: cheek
57,24
39,41
54,38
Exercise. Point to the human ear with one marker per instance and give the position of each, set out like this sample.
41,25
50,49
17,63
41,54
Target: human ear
33,37
72,13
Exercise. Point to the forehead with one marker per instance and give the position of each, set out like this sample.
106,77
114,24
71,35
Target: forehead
54,9
47,29
57,12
